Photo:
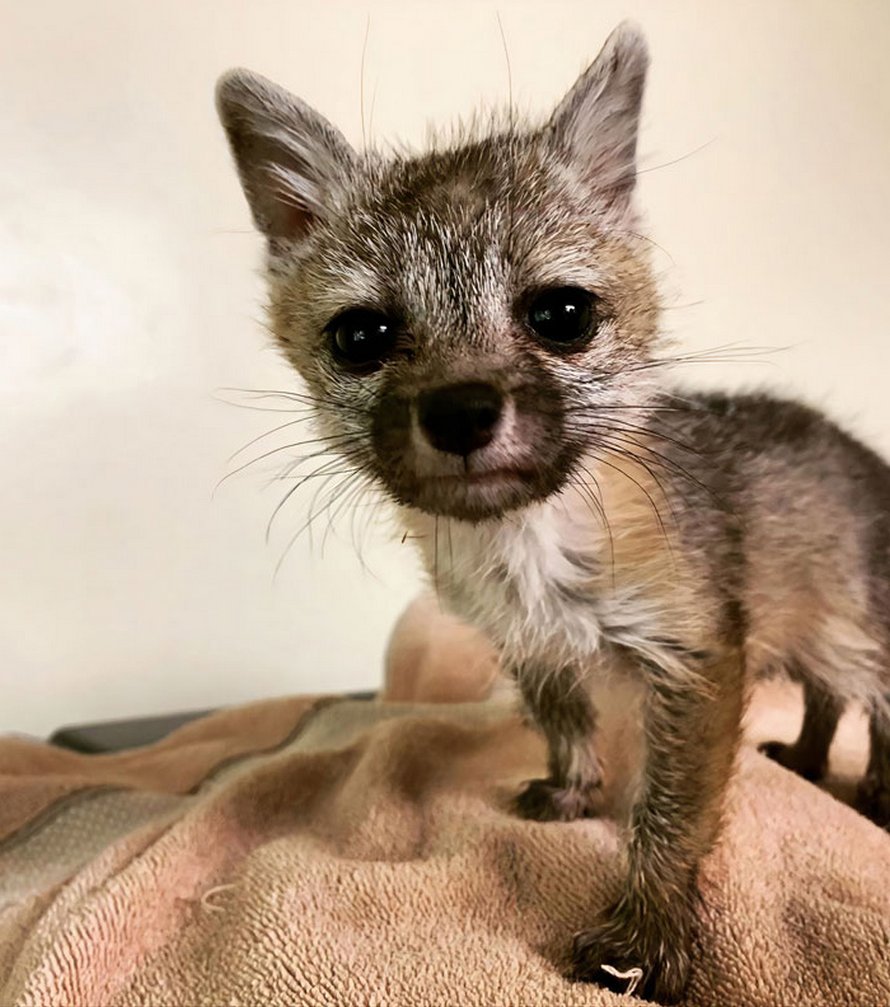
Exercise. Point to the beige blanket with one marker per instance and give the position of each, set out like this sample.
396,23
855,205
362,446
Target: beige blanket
342,852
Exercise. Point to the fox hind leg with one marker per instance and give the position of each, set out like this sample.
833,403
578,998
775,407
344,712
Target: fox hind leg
873,797
808,755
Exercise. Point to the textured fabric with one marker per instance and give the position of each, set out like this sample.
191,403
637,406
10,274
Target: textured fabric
356,853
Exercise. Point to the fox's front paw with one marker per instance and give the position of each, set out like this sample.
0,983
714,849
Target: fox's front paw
644,957
546,801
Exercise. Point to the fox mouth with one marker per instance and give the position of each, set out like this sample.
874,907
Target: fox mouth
475,496
489,477
479,495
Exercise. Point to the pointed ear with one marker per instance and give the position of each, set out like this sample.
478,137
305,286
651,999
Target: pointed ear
290,159
596,123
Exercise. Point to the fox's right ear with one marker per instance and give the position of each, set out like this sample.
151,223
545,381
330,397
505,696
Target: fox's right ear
292,162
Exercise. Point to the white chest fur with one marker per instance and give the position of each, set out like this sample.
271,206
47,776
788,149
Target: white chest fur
537,583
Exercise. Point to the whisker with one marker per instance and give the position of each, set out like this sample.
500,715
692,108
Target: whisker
651,241
293,489
621,407
268,433
332,442
621,451
362,81
682,307
348,453
355,532
646,493
677,160
263,393
345,497
313,514
597,507
731,353
283,477
262,409
307,399
663,461
623,426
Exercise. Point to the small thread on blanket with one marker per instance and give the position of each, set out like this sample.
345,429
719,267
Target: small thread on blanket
208,896
633,976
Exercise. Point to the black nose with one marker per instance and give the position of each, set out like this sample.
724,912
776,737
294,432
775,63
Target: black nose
460,419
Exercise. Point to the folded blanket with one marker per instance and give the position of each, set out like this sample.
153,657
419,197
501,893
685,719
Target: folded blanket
344,852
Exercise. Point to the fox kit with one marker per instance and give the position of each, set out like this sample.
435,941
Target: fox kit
479,330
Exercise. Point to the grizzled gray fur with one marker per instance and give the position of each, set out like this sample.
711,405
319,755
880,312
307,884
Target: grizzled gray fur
479,331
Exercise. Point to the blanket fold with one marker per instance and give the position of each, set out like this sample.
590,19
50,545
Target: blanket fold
345,852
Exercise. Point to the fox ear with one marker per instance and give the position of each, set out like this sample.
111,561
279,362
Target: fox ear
292,162
597,122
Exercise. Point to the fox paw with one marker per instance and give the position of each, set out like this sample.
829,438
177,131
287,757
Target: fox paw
546,801
647,960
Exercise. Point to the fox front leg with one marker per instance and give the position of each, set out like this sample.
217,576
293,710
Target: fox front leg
562,709
693,723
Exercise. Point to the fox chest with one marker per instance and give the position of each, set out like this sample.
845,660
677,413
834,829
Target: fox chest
539,597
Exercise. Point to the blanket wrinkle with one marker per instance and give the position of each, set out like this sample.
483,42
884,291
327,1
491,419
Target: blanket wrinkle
347,852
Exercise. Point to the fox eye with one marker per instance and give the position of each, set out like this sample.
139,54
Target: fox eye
564,316
361,339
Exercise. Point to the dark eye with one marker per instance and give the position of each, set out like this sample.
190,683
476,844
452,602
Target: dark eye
563,315
361,339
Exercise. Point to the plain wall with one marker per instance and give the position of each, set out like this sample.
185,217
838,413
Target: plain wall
129,295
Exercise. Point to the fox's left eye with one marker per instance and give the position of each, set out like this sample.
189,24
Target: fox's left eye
361,339
564,316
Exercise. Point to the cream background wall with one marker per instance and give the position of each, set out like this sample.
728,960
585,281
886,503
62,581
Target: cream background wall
129,296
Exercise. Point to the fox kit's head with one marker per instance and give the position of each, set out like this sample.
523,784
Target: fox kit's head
466,319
